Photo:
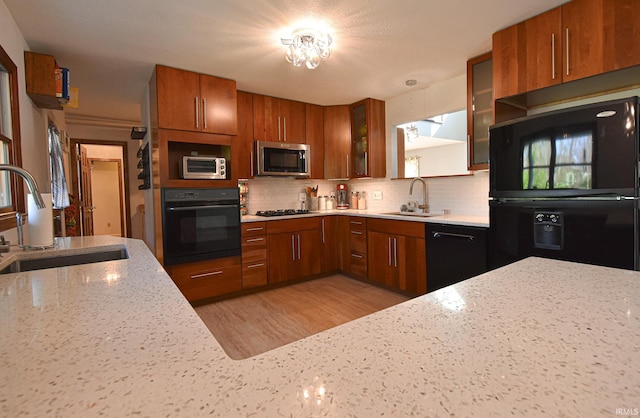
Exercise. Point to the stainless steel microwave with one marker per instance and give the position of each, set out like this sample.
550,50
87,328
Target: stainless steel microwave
204,167
283,159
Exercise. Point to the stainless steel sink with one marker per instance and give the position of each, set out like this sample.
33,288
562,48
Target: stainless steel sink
415,214
53,261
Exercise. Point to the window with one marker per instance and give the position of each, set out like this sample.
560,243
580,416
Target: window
11,187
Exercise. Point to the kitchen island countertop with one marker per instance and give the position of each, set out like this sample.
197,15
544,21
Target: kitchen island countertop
117,338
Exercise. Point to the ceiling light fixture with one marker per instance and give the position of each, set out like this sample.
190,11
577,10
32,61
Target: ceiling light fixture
411,133
308,47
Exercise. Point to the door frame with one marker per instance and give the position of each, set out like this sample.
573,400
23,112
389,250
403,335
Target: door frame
125,158
120,188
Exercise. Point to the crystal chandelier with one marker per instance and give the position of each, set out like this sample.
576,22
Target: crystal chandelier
307,47
411,133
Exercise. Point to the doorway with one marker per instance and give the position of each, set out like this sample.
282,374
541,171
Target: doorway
99,192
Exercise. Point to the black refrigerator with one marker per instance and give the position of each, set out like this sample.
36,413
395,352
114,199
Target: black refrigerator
564,185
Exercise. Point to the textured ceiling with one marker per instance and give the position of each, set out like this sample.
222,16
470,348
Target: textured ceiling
112,46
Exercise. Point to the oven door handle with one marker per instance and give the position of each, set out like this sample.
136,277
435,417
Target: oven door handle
181,208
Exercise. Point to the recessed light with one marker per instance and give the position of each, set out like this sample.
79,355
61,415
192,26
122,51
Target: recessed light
411,82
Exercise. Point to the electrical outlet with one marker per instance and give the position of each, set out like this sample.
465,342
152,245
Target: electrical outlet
302,196
377,195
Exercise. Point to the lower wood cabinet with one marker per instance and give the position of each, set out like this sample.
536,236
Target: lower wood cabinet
353,245
397,254
254,254
294,248
205,279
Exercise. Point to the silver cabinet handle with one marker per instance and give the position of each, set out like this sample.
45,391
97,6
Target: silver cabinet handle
298,246
366,166
323,241
356,255
357,232
204,112
293,248
255,239
197,113
253,266
347,165
567,35
395,252
255,229
278,128
553,56
251,163
356,222
200,276
284,128
389,250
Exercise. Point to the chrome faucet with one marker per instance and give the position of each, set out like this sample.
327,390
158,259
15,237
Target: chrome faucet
424,206
29,179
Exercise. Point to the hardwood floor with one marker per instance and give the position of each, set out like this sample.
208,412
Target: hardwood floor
260,322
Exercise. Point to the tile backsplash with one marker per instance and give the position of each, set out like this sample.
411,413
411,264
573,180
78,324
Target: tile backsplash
463,195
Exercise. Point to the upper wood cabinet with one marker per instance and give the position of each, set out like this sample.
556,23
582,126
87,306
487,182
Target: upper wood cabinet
276,119
40,80
314,134
242,157
191,101
368,156
579,39
479,110
337,141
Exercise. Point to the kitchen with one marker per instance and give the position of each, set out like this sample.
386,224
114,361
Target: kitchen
475,189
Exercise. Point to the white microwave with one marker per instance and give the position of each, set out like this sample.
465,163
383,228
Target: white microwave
204,167
283,159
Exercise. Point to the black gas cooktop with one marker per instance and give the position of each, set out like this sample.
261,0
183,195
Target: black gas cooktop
282,212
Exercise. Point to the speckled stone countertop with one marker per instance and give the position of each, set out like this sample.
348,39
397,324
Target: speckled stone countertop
452,219
538,337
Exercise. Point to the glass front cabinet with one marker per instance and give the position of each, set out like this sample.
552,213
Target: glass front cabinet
367,139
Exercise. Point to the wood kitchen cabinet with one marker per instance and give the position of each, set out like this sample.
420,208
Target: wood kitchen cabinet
278,120
242,158
206,279
479,110
40,80
337,141
314,135
579,39
191,101
368,154
294,249
397,254
330,246
352,232
254,254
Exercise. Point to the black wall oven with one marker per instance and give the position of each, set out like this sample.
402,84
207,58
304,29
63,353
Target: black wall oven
200,224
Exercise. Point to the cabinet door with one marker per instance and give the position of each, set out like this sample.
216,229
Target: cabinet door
314,137
622,31
218,100
544,42
411,254
266,125
380,258
282,255
337,141
292,121
309,252
178,98
330,245
242,157
479,110
583,38
368,139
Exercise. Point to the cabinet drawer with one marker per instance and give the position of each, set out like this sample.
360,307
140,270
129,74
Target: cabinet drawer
358,264
293,225
254,274
358,241
357,222
206,279
254,248
392,227
253,228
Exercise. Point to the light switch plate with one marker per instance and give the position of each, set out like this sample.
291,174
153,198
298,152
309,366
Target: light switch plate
302,197
377,195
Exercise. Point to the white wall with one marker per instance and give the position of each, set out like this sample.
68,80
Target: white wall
33,120
441,160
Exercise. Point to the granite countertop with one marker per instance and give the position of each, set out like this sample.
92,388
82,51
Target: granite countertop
538,337
467,220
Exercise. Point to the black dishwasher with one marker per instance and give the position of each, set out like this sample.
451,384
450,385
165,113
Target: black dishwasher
454,253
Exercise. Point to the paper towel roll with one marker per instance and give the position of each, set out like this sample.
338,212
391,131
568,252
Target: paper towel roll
40,222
